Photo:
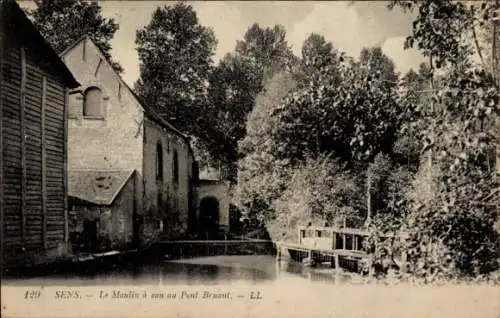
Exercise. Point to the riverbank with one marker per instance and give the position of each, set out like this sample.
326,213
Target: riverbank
76,263
157,252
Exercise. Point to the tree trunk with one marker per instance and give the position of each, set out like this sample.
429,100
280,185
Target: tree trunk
368,200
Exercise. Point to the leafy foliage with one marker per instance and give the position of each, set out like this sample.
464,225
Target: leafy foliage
454,195
175,54
261,178
318,191
63,22
331,107
347,111
238,79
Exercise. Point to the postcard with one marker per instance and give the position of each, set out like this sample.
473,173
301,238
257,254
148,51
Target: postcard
249,158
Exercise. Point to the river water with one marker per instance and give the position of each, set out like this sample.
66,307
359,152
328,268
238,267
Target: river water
211,270
257,286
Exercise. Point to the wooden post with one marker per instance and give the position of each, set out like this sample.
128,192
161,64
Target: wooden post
44,162
368,199
494,61
431,81
225,244
404,261
84,49
23,145
65,172
2,41
343,241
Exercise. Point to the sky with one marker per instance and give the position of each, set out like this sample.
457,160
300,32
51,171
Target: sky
349,25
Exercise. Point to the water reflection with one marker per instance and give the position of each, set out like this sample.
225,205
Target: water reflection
204,270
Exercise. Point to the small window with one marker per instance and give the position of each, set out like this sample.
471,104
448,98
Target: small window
159,200
92,100
318,233
159,161
176,167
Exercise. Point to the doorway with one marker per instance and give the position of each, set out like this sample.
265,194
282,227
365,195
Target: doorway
90,230
209,217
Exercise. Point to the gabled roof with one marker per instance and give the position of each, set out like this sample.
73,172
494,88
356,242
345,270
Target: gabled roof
14,22
100,187
149,111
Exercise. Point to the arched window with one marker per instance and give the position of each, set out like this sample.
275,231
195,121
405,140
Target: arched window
176,167
92,102
159,161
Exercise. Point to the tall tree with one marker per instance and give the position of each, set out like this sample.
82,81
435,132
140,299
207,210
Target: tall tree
317,51
317,54
344,112
380,65
239,78
455,194
62,22
336,112
175,54
414,98
266,49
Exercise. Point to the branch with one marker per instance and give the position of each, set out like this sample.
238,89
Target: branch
476,42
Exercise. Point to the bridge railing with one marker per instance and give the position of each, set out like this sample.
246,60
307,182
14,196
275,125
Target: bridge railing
335,238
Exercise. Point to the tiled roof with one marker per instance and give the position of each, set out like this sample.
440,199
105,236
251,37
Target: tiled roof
97,186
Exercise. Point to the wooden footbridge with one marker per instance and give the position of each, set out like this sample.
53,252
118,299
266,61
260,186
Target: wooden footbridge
342,247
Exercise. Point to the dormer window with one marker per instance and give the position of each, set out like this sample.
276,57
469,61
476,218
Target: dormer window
92,103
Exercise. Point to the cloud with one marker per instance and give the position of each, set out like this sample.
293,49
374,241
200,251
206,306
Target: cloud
403,59
350,27
341,24
225,19
131,16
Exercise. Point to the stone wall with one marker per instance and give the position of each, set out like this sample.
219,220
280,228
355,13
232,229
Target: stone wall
115,139
166,199
220,191
114,223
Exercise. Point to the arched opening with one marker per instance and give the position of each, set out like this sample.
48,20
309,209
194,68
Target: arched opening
92,102
159,161
209,217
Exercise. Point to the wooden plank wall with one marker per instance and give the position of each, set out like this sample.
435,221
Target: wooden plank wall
55,161
2,51
33,154
11,150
